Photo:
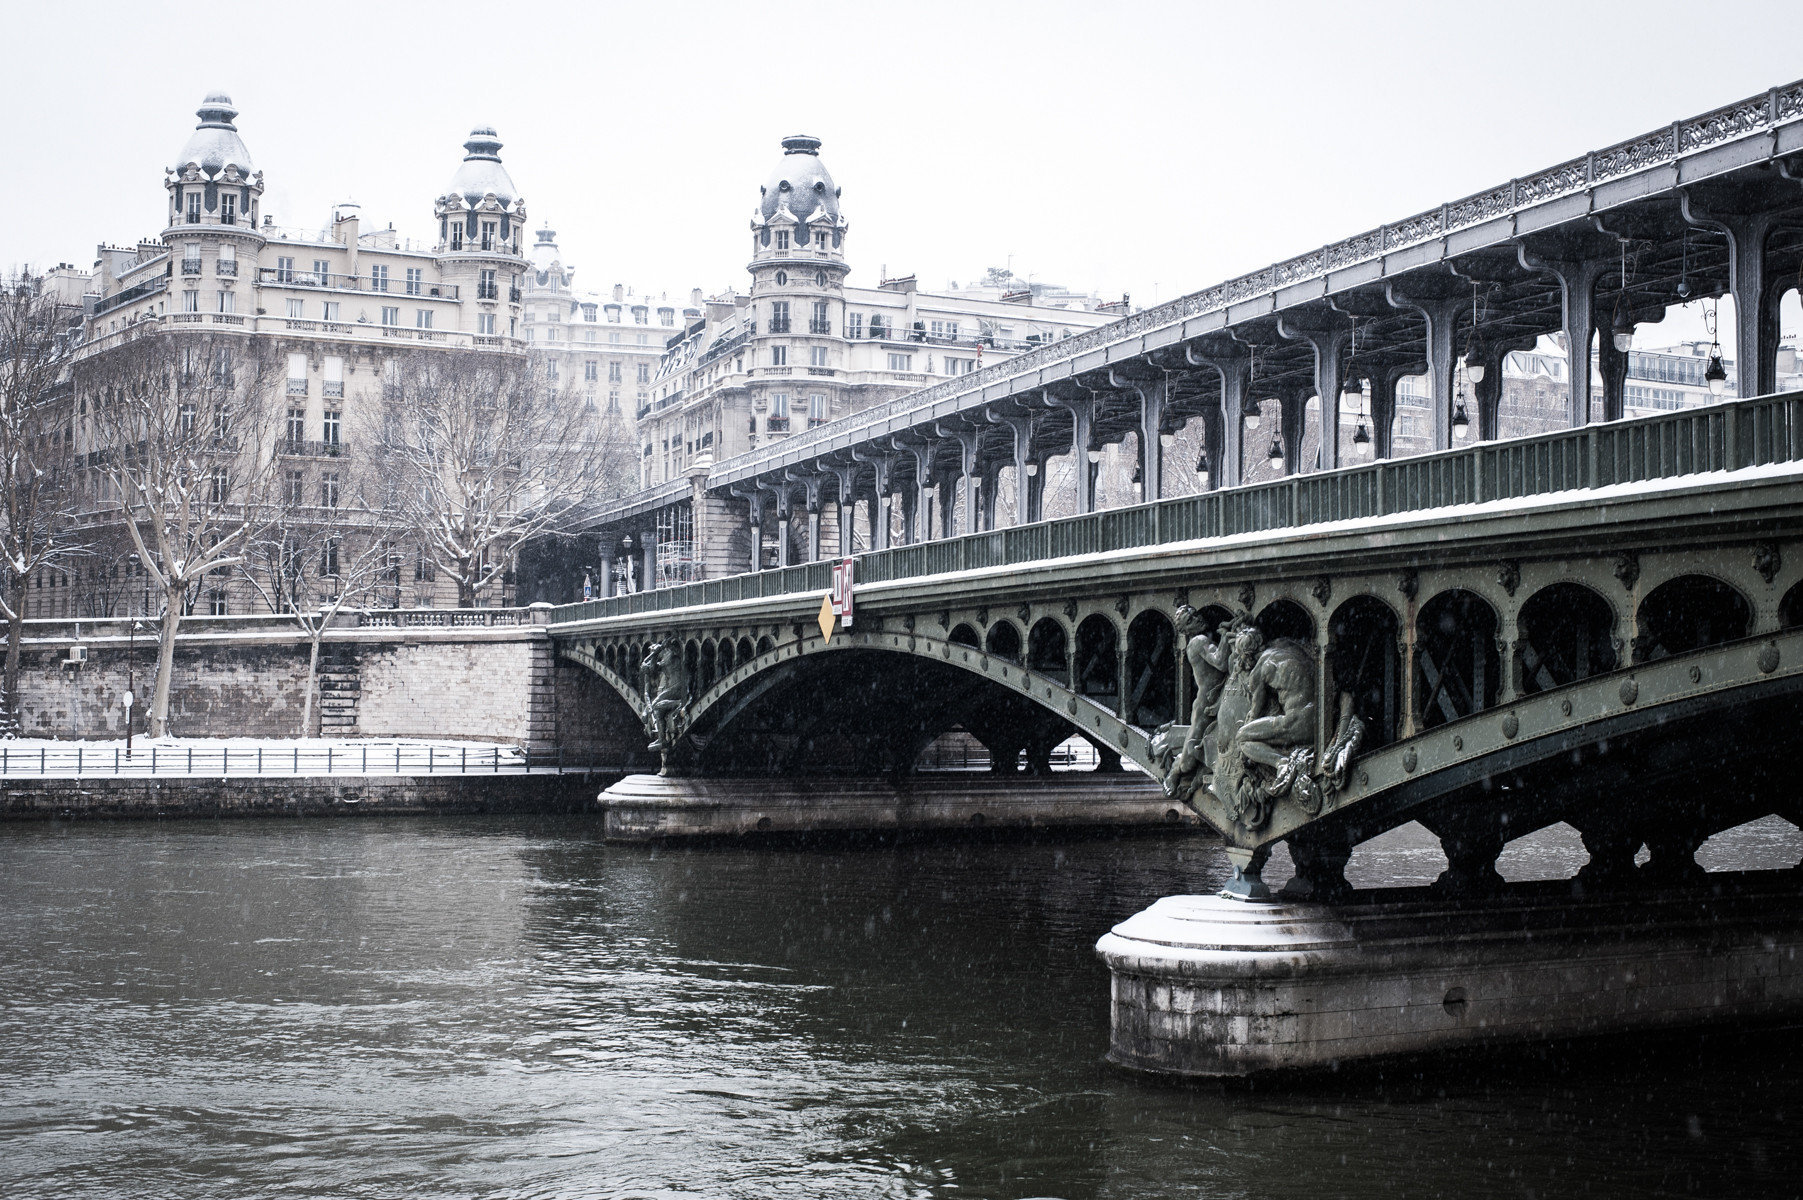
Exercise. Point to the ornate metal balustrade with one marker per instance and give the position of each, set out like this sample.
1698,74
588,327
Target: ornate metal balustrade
1717,438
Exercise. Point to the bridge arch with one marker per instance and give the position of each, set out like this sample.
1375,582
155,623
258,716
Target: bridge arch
1457,668
1689,612
1790,609
1565,632
1004,641
1364,660
1286,618
1097,660
1048,650
1151,670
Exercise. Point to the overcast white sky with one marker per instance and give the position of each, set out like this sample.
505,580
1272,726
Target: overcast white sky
1150,148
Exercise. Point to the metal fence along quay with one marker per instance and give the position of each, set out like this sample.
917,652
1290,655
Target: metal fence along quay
1728,436
75,761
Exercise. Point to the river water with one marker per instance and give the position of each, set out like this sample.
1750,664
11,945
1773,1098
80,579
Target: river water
506,1007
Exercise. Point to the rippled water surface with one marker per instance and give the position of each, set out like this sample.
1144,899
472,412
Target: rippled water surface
509,1008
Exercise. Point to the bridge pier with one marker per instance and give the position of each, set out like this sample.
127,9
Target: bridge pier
1212,986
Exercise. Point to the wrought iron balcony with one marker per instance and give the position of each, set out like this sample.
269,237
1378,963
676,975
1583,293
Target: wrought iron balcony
307,448
227,266
487,291
190,266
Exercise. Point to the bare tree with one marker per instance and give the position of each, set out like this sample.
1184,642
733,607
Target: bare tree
181,425
314,561
36,459
482,453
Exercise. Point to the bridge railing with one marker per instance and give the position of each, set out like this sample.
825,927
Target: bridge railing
1718,437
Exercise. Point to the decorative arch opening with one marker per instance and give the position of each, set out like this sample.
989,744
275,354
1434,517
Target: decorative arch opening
1004,641
1048,651
1151,671
1286,619
635,656
1366,663
1457,667
765,645
1098,661
610,658
691,661
710,662
747,651
1689,613
1567,633
723,657
966,635
1790,609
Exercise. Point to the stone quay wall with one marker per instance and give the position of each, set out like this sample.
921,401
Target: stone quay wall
307,796
246,677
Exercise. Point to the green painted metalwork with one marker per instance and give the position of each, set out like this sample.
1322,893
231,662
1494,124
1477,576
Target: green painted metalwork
1734,435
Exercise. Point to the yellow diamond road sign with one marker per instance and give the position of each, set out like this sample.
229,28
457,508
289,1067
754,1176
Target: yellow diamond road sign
826,618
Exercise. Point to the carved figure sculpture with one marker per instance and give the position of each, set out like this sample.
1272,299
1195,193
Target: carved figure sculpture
1183,752
666,695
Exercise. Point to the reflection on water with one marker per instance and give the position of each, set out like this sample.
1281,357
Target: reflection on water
509,1008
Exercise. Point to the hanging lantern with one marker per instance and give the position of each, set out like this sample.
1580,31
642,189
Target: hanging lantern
1167,440
1275,453
1622,329
1252,419
1716,375
1461,424
1032,469
1361,436
1353,393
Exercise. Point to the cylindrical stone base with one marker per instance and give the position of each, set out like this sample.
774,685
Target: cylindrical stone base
655,807
1205,985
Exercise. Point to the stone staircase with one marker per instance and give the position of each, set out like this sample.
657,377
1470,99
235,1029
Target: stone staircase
339,691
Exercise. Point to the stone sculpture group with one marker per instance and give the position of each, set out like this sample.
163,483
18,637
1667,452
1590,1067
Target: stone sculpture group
1250,738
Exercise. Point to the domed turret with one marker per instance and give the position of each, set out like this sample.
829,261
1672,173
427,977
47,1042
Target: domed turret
481,210
215,145
800,183
482,172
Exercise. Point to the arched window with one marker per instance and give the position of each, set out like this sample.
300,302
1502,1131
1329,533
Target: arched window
1689,613
1048,650
782,279
1366,664
1457,667
1098,666
1566,634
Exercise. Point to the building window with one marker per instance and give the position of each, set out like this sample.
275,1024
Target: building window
486,288
328,556
588,312
818,322
779,316
322,272
415,278
591,370
666,316
228,209
820,240
641,315
330,308
333,383
644,372
194,206
216,602
485,324
816,409
779,356
960,366
877,327
296,309
614,371
422,317
297,425
782,279
334,421
284,270
613,402
297,487
782,239
328,494
219,487
820,276
488,235
391,316
457,235
779,411
901,362
228,302
854,325
227,263
297,374
817,356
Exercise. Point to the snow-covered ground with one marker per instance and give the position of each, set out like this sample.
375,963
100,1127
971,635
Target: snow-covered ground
215,757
